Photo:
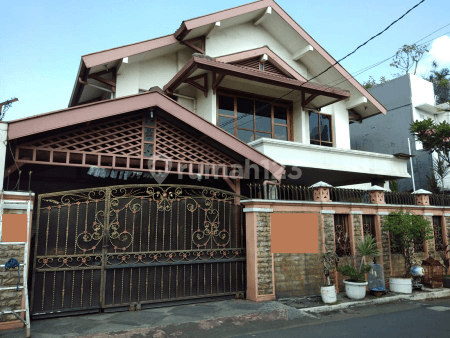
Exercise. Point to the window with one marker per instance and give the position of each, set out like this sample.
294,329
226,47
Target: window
437,227
320,129
250,119
342,235
369,226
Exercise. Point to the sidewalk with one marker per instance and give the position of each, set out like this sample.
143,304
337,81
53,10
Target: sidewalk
173,321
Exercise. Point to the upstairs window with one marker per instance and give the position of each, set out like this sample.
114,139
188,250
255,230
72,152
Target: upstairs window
250,119
320,129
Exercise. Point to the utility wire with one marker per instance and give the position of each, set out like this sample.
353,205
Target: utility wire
359,72
363,44
373,37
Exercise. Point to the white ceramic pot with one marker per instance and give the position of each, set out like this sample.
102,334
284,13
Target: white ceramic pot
355,290
328,294
400,285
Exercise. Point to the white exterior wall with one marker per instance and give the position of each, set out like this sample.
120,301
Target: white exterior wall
207,106
128,80
421,92
248,36
159,71
301,129
341,130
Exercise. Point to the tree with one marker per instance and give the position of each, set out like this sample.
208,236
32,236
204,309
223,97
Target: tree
435,137
441,170
406,229
408,56
372,82
440,77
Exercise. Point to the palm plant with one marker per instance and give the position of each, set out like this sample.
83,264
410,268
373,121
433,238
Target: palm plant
367,247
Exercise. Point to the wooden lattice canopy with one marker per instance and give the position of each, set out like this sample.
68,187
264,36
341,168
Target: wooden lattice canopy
140,141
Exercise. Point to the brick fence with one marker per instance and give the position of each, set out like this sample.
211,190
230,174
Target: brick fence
271,276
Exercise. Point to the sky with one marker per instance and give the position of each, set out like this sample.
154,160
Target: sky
42,42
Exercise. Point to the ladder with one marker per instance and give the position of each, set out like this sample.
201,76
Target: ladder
24,264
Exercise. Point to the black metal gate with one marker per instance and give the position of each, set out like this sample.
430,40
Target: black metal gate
128,246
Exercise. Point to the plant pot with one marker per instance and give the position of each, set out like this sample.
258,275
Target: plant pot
328,294
400,285
355,290
446,281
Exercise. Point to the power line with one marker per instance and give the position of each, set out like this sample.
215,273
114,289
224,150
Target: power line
359,72
373,37
363,44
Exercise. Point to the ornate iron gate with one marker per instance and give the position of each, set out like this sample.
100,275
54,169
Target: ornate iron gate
134,245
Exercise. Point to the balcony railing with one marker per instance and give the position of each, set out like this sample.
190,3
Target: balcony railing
285,192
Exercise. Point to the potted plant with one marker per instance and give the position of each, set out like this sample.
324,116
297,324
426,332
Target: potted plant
355,285
405,229
328,290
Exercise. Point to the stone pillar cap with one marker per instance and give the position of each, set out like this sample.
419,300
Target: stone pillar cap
377,188
422,192
321,184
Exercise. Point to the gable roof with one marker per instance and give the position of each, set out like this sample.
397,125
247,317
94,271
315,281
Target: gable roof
189,26
153,98
273,58
203,63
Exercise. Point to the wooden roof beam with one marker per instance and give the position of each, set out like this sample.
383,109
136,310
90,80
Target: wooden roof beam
216,81
190,44
305,102
263,17
353,103
302,52
213,30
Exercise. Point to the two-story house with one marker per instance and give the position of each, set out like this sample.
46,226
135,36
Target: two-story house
139,180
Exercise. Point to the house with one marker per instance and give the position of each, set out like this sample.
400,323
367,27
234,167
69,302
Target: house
140,183
407,98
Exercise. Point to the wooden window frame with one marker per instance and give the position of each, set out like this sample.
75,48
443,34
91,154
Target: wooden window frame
326,143
346,229
254,97
437,221
371,225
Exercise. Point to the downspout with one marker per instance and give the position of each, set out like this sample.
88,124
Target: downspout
188,98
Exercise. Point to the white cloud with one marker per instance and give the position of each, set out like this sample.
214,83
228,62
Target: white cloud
439,51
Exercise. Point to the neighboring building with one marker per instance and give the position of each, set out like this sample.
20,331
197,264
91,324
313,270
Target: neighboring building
407,99
226,91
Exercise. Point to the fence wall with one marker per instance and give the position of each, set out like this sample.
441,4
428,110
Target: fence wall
301,274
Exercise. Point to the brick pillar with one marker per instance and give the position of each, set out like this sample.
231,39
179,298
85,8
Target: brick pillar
321,192
356,221
328,238
385,247
260,272
430,248
422,197
377,195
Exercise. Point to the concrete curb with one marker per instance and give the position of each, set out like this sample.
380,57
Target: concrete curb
418,296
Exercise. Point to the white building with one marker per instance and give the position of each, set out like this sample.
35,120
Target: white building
407,99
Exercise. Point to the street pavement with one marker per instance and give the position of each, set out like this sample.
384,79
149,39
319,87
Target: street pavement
238,318
422,319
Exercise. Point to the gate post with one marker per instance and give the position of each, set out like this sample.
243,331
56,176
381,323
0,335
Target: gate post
260,265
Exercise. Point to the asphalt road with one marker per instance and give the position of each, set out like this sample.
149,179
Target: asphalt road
409,319
241,319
